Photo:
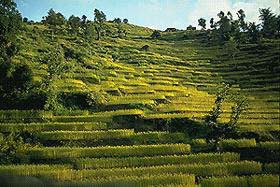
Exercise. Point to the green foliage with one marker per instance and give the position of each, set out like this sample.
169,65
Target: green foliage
240,105
56,67
74,23
14,78
156,34
272,168
54,18
202,23
12,149
99,19
269,22
10,23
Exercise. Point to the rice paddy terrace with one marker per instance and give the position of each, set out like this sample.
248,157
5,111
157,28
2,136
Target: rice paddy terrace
175,78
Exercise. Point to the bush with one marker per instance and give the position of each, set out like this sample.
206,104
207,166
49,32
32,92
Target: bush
156,34
12,149
273,168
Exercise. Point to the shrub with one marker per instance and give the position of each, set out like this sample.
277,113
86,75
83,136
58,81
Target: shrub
273,168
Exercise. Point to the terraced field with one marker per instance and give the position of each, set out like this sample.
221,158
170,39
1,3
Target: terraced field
175,79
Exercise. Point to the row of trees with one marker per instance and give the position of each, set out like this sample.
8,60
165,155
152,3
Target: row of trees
82,25
226,27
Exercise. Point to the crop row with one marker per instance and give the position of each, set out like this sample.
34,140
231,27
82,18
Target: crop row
274,146
86,135
243,181
211,169
228,144
202,158
108,151
23,115
38,127
259,128
126,134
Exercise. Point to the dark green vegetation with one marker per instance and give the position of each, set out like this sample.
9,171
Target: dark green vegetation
107,103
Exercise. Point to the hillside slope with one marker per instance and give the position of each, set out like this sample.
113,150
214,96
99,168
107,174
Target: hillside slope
127,110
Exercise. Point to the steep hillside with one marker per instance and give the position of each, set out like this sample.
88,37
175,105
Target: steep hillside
133,115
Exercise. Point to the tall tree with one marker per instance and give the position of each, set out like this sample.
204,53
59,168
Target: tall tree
125,20
57,66
212,23
231,49
224,27
54,18
10,23
241,19
269,22
202,23
99,19
75,23
253,33
14,79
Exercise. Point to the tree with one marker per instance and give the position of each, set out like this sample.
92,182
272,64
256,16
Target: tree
253,33
89,30
232,50
269,23
57,67
10,24
14,78
25,19
212,24
216,131
240,105
125,20
75,23
156,34
84,19
99,19
117,20
241,19
224,27
202,23
54,19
